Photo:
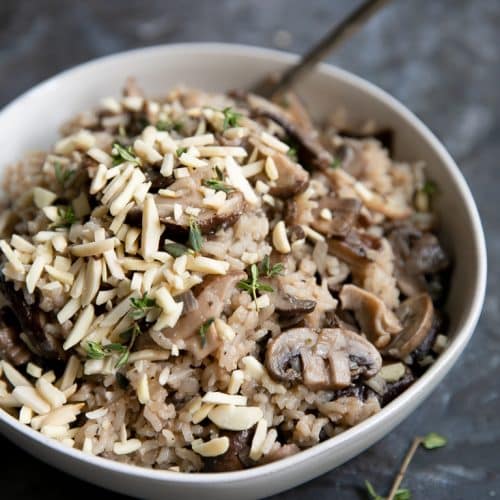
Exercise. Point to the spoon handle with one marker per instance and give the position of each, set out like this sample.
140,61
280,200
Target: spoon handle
332,40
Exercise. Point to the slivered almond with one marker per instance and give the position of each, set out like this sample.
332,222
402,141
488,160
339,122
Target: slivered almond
28,396
147,151
239,181
14,376
100,156
213,448
258,440
235,418
12,257
273,142
219,398
92,281
235,151
93,248
151,228
127,447
35,272
80,328
68,311
206,265
73,366
280,238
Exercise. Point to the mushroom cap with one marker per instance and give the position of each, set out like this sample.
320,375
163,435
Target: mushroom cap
292,180
330,358
416,315
283,351
376,320
211,300
188,195
344,214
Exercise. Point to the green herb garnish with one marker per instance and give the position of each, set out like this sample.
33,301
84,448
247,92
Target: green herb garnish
429,442
204,329
122,154
231,118
129,335
95,350
195,238
268,270
292,153
141,306
430,188
180,151
163,125
252,285
67,217
217,183
433,440
63,175
336,163
175,249
401,494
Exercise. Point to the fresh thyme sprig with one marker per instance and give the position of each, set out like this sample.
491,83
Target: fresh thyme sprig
204,329
67,217
252,285
175,249
122,154
195,239
95,350
180,151
217,183
164,125
63,176
268,270
141,306
231,118
429,442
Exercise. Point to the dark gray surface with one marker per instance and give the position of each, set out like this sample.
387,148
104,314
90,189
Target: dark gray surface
441,59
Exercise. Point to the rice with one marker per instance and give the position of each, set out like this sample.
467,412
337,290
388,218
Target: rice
213,282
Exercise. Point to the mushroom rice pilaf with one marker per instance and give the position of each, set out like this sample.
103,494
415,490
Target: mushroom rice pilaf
208,282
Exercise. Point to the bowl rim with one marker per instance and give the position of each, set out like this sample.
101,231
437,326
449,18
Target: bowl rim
435,373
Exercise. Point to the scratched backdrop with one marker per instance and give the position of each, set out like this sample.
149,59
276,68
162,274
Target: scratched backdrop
442,60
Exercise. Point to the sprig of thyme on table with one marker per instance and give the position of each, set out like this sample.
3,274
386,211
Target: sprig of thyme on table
430,442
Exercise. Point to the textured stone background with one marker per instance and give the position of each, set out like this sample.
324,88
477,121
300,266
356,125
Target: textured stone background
441,59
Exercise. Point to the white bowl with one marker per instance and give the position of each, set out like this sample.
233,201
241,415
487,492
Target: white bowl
32,122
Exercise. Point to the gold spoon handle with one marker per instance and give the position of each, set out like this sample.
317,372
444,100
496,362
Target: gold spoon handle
332,40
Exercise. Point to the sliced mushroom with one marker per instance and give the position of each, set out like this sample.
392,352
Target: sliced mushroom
354,249
343,211
417,255
290,309
322,359
292,179
33,322
310,151
12,348
416,315
158,181
188,195
377,321
212,298
350,356
237,455
283,354
394,389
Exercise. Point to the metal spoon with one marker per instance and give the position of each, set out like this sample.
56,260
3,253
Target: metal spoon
269,88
